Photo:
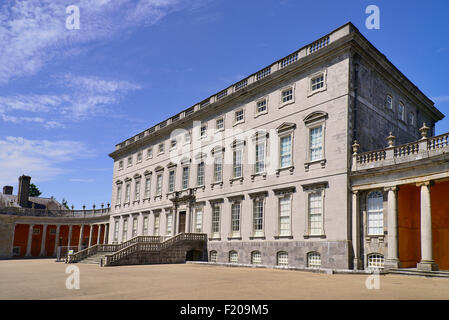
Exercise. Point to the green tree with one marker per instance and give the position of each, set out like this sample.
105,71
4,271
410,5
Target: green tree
34,191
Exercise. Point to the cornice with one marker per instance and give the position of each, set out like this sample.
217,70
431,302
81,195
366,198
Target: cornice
354,41
253,89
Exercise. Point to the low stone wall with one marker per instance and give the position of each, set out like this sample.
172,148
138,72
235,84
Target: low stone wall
312,270
334,254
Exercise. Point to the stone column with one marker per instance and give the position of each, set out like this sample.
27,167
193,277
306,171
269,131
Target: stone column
80,242
44,237
58,227
106,231
121,226
427,263
139,224
120,230
175,221
392,261
356,230
69,240
30,239
189,215
91,229
12,240
98,233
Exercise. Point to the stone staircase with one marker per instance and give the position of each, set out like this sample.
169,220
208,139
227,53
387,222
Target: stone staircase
145,250
94,259
415,272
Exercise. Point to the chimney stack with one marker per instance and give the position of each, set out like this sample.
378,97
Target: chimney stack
24,191
7,190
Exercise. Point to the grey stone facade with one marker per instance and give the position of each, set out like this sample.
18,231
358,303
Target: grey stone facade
348,104
334,254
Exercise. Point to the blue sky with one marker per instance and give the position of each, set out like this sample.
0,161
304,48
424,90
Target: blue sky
68,96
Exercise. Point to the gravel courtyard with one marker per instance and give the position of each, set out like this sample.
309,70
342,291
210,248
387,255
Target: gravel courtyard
46,279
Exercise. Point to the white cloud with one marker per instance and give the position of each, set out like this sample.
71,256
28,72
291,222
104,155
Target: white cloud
96,84
41,159
88,96
22,119
82,180
440,99
31,103
33,32
92,95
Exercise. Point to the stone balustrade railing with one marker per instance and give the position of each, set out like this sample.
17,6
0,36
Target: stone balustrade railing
371,156
438,142
424,148
85,253
151,246
55,213
406,149
82,254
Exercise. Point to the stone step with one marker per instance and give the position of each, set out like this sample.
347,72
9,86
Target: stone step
439,274
94,259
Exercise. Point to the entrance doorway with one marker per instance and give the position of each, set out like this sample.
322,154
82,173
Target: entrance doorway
194,255
182,222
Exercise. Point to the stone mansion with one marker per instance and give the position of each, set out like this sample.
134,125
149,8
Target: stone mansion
278,169
265,166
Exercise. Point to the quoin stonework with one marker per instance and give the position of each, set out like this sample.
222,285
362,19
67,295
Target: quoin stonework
325,158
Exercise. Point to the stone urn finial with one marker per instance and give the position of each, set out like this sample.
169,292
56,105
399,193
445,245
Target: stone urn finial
391,139
424,130
84,207
73,207
355,147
